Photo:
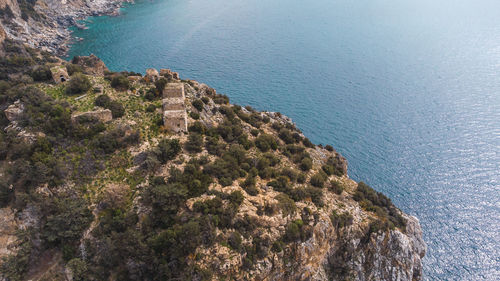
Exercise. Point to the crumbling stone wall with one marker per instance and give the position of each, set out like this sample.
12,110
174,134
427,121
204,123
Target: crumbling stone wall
174,109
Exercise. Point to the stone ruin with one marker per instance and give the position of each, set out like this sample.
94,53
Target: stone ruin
59,74
174,109
103,115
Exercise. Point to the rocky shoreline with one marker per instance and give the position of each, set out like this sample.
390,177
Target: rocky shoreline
45,27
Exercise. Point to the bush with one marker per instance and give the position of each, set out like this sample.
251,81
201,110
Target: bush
291,174
168,149
377,202
307,143
102,101
78,84
318,180
266,142
221,99
194,143
329,147
205,100
194,115
306,164
336,187
73,68
120,82
150,108
297,230
340,221
117,109
197,127
286,136
286,204
234,240
214,146
198,104
160,85
41,73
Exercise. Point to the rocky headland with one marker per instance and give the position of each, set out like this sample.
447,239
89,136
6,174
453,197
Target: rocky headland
123,176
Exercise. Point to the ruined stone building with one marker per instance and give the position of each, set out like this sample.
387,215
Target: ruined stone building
174,110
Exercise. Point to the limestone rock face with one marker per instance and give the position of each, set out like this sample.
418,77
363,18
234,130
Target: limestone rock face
8,228
91,65
103,115
14,111
152,74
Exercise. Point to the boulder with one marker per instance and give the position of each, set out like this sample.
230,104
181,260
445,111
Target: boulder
169,74
14,111
152,74
91,65
103,115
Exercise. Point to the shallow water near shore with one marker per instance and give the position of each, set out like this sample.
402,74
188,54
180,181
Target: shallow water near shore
407,91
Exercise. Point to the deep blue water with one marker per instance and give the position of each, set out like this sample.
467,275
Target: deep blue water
408,91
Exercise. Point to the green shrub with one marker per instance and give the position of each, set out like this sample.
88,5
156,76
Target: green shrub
266,142
151,108
306,164
197,127
102,101
120,82
307,143
221,99
342,220
41,73
117,109
286,204
336,187
198,104
286,136
194,143
234,240
329,147
293,231
160,85
194,115
78,84
73,68
313,193
318,180
254,132
168,149
214,146
377,202
205,100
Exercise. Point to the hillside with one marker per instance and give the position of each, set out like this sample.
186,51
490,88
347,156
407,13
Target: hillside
96,186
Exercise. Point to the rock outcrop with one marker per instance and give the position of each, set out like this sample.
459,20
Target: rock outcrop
91,65
43,24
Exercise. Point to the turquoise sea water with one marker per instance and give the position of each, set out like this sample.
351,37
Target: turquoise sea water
408,91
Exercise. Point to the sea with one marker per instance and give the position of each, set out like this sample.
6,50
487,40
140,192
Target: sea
408,91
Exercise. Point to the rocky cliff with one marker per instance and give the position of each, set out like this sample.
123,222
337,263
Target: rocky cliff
95,186
43,24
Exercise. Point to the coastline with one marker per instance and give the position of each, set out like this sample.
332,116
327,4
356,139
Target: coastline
49,27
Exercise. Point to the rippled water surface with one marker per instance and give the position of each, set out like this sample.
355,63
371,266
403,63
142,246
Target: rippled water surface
408,91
